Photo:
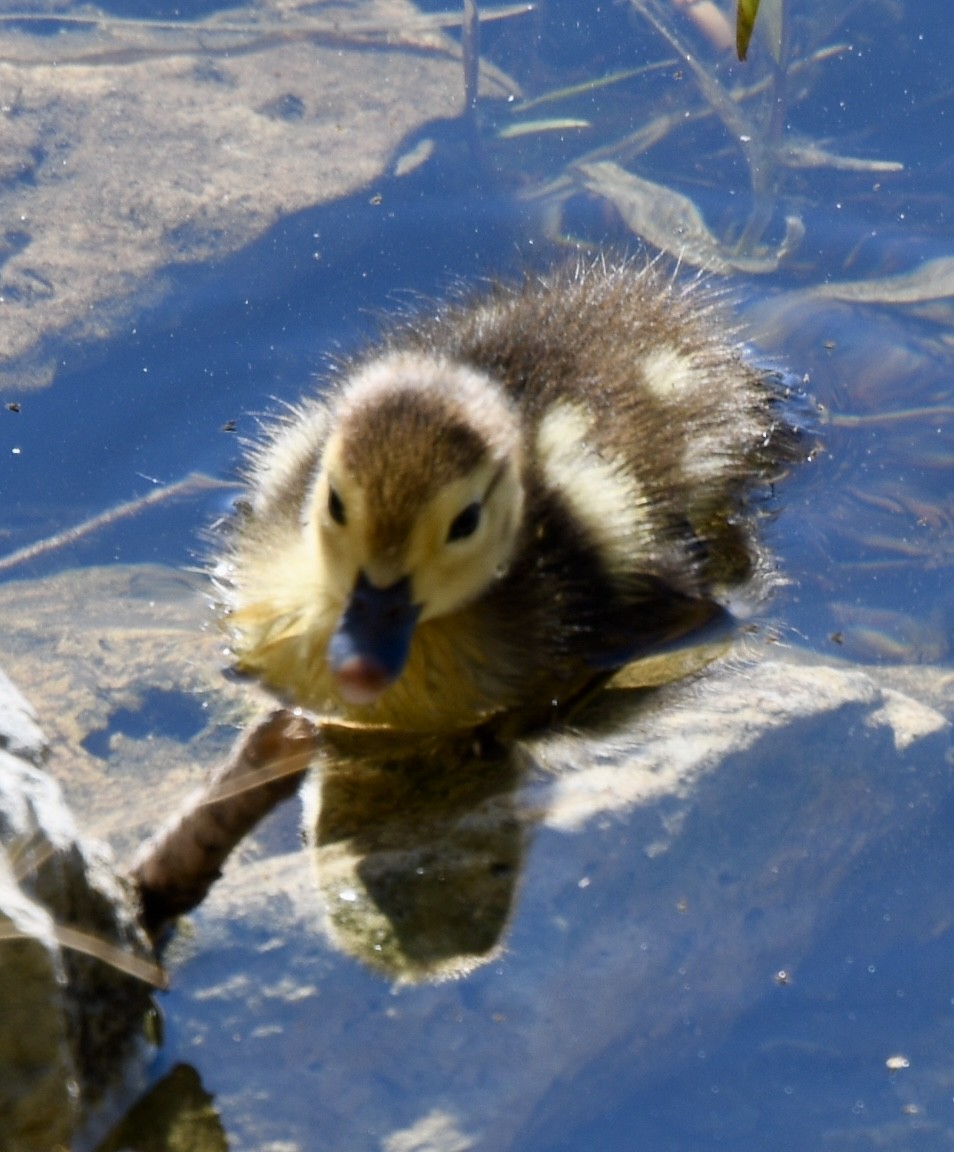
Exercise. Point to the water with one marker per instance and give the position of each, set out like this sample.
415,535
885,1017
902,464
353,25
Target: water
185,383
637,1000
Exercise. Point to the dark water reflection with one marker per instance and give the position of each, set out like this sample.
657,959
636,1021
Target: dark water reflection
865,537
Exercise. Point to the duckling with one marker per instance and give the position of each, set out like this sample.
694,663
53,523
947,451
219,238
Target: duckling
497,506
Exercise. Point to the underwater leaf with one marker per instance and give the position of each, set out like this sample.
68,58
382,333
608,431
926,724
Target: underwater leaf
745,15
773,26
531,127
672,222
587,87
932,280
808,155
666,219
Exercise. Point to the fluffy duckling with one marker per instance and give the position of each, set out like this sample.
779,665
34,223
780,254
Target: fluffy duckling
497,507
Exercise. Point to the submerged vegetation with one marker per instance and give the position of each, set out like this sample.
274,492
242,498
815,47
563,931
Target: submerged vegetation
647,152
629,124
640,126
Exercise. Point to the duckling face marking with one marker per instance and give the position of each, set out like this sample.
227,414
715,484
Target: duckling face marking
415,510
464,537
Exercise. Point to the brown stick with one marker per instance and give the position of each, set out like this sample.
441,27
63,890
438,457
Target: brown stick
176,867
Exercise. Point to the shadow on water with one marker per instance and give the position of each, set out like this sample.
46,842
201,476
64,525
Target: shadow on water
230,340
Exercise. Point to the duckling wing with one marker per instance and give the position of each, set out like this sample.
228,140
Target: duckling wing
666,623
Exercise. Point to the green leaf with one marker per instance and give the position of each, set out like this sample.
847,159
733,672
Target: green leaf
744,23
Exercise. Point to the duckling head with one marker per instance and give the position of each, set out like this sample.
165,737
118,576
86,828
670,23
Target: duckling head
416,508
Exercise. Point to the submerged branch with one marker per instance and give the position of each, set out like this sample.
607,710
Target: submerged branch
175,869
76,940
194,482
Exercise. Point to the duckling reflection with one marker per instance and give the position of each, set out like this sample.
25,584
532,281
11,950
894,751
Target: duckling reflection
419,845
419,841
487,515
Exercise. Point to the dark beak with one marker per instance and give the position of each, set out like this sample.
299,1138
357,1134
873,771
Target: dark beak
370,646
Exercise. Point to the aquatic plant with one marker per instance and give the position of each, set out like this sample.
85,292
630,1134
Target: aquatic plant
662,202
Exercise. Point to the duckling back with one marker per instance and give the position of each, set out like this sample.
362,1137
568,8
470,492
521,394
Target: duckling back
642,412
503,502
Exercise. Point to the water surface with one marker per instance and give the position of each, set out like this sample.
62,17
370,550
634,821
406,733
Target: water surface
303,1047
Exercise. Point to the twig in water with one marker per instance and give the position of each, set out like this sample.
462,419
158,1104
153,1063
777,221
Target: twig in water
175,869
194,482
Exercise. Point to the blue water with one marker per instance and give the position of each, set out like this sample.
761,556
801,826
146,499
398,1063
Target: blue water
231,343
801,1063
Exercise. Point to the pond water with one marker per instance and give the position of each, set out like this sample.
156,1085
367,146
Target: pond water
774,1017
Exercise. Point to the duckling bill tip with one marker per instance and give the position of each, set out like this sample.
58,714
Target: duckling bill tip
371,643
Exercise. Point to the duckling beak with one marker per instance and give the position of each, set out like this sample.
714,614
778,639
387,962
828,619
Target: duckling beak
370,646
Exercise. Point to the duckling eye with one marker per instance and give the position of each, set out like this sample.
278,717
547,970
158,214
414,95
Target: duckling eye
336,508
464,523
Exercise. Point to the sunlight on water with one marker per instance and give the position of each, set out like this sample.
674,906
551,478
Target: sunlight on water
198,215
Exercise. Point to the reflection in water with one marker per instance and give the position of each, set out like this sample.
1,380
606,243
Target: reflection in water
177,1113
419,838
418,848
419,842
